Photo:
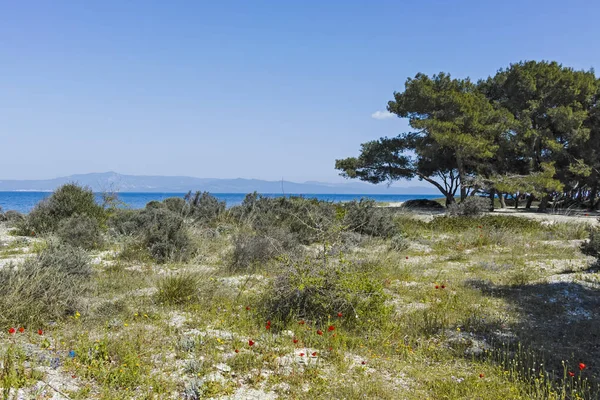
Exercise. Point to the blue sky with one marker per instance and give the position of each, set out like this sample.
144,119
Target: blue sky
251,89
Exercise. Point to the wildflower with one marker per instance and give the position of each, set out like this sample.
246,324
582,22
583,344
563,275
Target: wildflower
314,354
72,354
331,349
363,362
480,227
437,287
319,332
481,375
11,331
443,286
407,257
571,374
582,366
247,308
21,330
331,328
301,354
40,332
250,342
268,326
340,315
237,350
295,340
301,322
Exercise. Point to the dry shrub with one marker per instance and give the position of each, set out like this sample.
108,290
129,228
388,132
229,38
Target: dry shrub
80,231
44,288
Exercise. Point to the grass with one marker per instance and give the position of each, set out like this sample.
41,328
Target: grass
494,307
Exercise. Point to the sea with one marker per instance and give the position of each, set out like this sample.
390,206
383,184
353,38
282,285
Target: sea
25,201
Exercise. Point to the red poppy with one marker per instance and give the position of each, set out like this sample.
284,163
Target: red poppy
268,326
331,349
21,329
340,315
247,308
40,332
295,340
237,350
319,332
250,342
407,257
301,322
12,331
73,376
582,366
301,354
571,374
437,287
331,328
479,226
364,363
587,215
443,286
481,375
314,354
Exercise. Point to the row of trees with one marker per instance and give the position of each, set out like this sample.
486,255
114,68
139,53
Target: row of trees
532,130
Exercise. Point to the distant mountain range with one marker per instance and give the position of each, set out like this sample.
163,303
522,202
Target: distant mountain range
182,184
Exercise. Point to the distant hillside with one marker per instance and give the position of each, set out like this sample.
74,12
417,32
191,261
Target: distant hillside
181,184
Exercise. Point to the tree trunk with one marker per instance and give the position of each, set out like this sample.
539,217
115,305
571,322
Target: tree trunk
544,203
492,196
593,196
517,197
529,201
502,200
450,199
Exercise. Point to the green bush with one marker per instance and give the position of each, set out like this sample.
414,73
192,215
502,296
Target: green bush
367,219
177,205
80,231
470,207
13,217
592,246
178,289
204,208
66,201
165,235
252,250
422,204
155,231
399,243
44,288
312,291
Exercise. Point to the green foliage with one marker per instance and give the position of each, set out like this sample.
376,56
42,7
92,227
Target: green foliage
367,219
592,246
313,291
252,250
470,207
155,231
422,204
44,288
66,201
204,208
399,243
178,289
80,231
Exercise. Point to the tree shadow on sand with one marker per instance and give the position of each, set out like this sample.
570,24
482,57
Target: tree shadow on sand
560,321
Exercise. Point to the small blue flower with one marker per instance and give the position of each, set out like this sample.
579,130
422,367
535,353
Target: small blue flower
72,354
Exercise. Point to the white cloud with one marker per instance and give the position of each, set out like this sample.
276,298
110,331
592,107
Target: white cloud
382,115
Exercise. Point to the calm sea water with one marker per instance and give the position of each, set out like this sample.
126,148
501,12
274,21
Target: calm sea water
25,201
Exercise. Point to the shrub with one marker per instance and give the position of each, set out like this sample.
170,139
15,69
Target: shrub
44,288
66,201
13,217
178,289
252,250
592,246
367,219
80,231
313,291
165,236
423,204
399,243
203,207
469,207
177,205
155,230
